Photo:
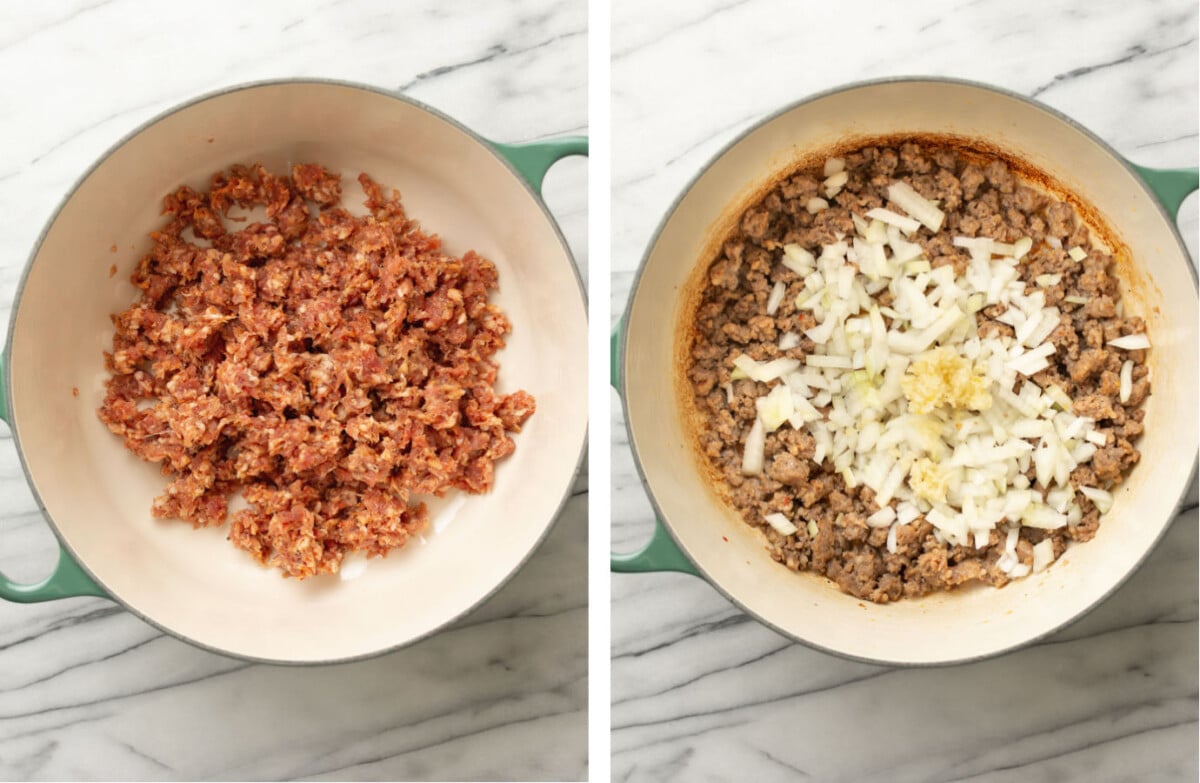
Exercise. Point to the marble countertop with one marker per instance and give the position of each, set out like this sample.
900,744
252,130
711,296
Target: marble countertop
90,691
702,692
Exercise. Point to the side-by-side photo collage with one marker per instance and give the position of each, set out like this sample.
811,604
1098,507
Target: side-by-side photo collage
593,390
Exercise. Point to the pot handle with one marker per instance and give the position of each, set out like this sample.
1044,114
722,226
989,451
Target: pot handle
533,159
67,580
1171,186
661,553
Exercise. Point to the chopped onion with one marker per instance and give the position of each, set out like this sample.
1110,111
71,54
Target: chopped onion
1058,396
1126,380
1019,571
1043,554
977,246
776,297
1047,281
916,205
821,333
776,407
1032,362
1131,342
1054,242
915,342
788,341
1051,317
836,362
882,518
1010,541
876,232
1096,438
1026,329
1077,253
1100,499
905,224
815,205
782,524
756,443
1079,300
1043,517
765,371
892,545
798,259
835,182
833,166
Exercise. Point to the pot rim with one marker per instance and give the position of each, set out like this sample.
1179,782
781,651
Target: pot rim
53,218
670,213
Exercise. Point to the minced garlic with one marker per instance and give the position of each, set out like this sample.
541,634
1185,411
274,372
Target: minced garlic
929,480
942,377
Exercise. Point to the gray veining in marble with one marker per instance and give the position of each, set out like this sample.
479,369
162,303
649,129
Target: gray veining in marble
701,692
89,691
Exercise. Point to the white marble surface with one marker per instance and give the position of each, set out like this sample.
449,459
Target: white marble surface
700,691
89,691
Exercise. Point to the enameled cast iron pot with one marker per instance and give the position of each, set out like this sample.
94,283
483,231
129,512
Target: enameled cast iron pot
96,495
700,534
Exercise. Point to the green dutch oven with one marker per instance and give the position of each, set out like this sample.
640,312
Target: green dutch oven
698,534
96,496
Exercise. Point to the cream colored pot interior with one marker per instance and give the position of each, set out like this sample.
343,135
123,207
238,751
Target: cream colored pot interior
967,623
194,583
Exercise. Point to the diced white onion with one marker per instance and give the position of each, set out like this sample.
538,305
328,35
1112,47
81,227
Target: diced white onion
902,195
1043,554
1100,499
1131,342
1043,517
892,545
1032,362
798,259
835,182
788,341
756,443
836,362
906,224
776,407
765,372
776,298
782,524
833,166
1126,380
1077,253
815,205
983,247
882,518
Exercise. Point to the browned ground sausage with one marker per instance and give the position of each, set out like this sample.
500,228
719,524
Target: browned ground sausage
980,198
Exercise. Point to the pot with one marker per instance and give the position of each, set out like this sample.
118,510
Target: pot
699,533
96,495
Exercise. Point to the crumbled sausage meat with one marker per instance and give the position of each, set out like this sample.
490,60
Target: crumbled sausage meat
330,368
